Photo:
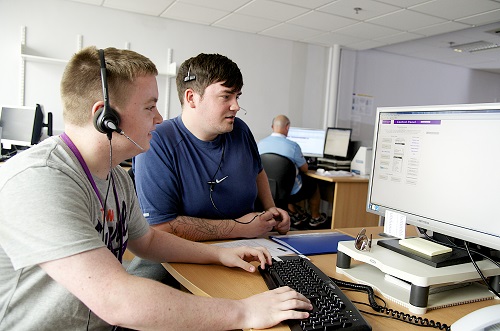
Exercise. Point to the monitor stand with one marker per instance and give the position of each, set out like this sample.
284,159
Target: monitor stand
456,256
414,285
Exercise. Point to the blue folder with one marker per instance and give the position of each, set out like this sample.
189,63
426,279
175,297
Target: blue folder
312,243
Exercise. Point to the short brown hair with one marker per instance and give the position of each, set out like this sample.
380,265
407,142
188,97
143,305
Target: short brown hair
81,85
203,70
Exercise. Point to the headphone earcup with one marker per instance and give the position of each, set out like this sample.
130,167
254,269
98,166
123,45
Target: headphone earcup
106,120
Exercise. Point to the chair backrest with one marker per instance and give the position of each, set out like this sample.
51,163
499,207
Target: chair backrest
281,173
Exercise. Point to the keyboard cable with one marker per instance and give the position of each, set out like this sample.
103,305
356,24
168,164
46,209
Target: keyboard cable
390,313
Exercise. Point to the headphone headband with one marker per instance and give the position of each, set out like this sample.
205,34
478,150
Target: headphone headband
106,119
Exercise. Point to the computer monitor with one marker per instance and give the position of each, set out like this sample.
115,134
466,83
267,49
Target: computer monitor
311,141
438,166
21,126
337,143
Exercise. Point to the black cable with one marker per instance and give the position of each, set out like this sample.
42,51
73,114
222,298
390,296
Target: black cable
391,313
212,183
469,252
233,219
479,271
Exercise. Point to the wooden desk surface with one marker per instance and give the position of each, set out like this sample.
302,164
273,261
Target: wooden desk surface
218,281
337,179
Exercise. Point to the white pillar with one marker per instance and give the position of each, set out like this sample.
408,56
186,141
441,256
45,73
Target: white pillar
332,85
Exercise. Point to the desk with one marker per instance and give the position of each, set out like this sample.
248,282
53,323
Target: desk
232,283
348,197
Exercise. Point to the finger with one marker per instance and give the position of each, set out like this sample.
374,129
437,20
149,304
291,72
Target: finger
289,294
260,254
263,256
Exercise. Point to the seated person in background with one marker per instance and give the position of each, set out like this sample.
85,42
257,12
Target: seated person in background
202,176
304,187
67,214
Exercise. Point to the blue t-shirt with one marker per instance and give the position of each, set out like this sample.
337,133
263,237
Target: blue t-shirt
172,176
277,143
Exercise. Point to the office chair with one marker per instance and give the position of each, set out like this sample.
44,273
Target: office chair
281,173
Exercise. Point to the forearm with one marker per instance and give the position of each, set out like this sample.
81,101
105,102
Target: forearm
100,282
160,246
200,229
159,307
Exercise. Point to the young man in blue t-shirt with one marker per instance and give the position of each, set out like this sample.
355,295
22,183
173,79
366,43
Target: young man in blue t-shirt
202,176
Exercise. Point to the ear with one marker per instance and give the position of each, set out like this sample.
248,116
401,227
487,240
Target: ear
97,110
97,107
189,97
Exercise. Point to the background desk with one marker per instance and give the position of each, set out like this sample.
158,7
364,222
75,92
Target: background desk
233,283
348,195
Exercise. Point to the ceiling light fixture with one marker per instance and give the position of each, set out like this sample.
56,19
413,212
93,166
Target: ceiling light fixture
474,47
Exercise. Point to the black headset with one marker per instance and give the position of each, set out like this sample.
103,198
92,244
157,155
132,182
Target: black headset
106,119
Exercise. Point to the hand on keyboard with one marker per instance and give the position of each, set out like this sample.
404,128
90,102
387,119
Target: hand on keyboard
332,310
277,305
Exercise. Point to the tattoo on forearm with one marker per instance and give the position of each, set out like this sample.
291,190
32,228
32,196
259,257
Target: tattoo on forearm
197,229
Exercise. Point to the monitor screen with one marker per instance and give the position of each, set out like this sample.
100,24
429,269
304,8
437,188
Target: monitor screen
311,141
21,126
337,142
438,166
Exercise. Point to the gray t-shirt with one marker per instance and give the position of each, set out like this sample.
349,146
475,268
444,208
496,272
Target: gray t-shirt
49,210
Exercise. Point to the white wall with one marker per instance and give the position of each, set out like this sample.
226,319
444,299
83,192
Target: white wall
395,80
275,71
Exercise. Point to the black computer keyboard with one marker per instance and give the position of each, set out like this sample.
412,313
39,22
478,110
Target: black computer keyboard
332,310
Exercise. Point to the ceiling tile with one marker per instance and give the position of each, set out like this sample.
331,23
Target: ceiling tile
456,9
481,19
366,31
332,38
311,4
322,21
245,23
271,10
403,3
290,31
148,7
406,20
90,2
224,5
441,28
418,28
191,13
399,38
369,9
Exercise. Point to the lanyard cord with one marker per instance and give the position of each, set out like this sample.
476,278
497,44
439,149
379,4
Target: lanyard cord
78,155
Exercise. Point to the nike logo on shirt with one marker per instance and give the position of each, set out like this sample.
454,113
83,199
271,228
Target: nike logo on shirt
217,181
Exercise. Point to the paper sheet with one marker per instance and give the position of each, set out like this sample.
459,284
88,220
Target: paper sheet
395,224
274,249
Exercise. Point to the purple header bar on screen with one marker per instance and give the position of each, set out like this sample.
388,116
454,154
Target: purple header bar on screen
412,122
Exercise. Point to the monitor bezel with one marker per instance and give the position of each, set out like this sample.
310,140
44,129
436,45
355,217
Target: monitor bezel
451,230
338,157
36,132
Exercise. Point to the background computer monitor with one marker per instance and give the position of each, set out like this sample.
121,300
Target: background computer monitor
21,126
439,167
337,143
311,141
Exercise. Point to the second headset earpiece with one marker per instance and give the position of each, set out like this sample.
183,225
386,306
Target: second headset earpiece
106,119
